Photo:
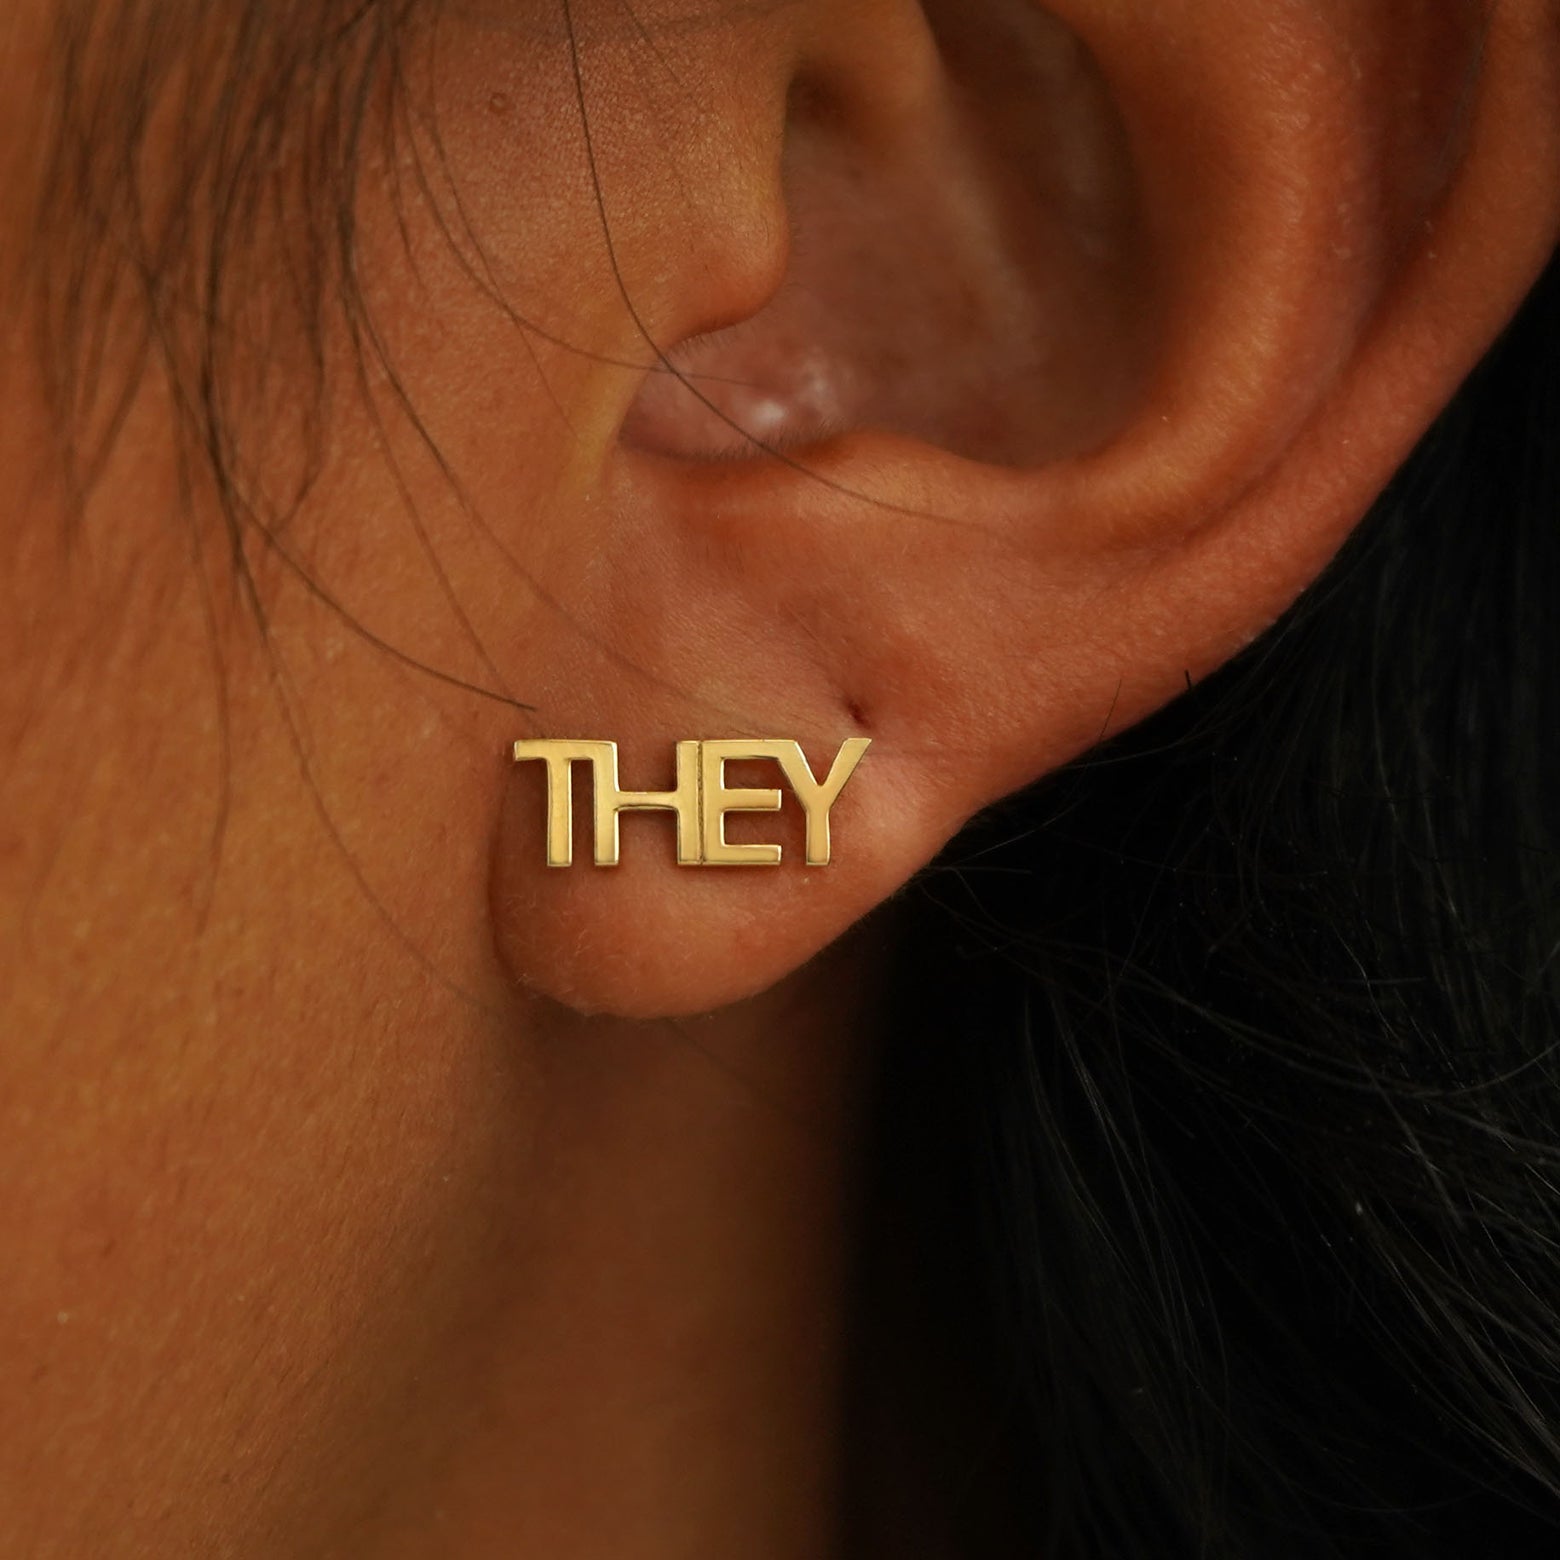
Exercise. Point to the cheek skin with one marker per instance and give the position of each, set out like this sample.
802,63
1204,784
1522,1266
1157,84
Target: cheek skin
249,1144
263,1119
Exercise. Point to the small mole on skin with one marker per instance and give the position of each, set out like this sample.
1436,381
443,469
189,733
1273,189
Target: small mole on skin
499,103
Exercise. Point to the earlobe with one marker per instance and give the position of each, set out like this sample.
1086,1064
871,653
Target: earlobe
1328,223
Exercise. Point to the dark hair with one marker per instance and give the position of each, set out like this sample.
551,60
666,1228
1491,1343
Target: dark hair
1229,1086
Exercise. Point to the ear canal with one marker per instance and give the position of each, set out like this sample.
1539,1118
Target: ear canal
962,263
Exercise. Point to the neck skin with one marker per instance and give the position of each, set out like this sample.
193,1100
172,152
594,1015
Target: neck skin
663,1364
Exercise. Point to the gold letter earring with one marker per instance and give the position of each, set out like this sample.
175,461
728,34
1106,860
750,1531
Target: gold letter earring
701,799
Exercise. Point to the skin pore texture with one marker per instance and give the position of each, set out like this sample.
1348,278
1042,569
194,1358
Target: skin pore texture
370,1189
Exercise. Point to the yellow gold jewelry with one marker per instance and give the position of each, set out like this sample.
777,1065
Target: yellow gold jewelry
700,798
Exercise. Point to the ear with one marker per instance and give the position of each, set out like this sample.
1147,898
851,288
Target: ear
1095,332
